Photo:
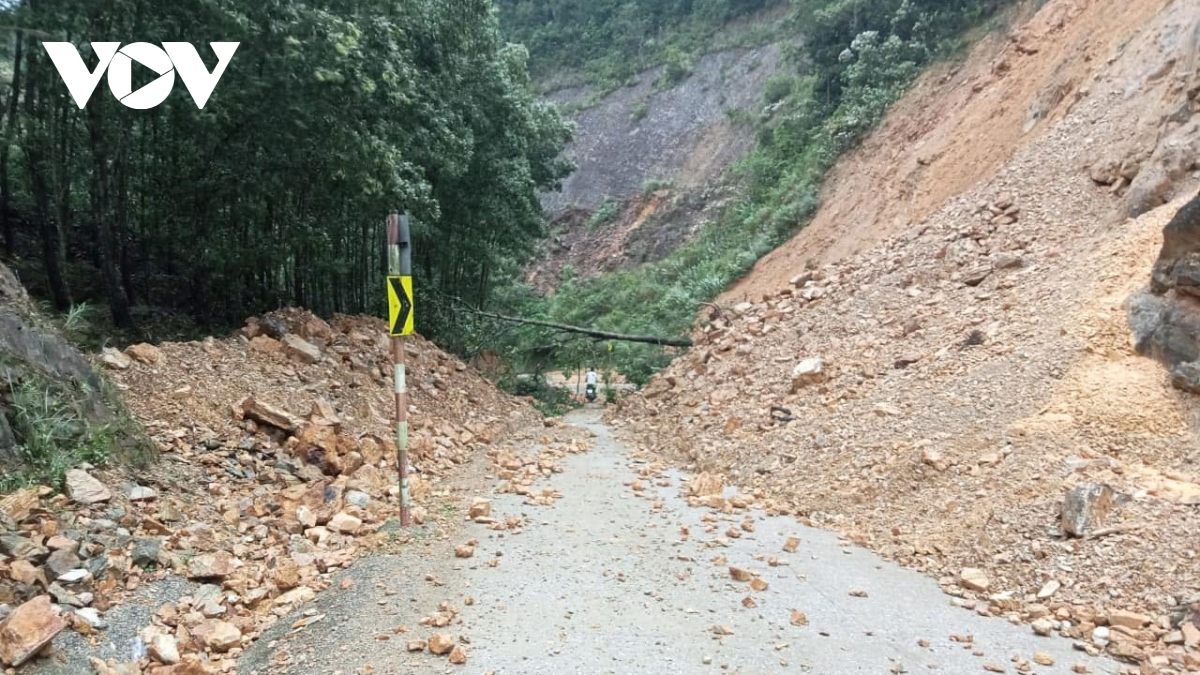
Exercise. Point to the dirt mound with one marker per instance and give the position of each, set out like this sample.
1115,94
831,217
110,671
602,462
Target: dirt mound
278,470
450,403
939,394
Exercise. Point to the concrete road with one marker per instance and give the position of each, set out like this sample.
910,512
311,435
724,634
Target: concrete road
602,583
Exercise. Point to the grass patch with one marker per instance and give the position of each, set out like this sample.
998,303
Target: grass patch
549,400
58,426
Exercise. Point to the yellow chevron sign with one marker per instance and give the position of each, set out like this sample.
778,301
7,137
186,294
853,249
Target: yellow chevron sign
400,305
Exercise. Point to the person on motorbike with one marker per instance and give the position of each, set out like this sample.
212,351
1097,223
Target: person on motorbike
591,384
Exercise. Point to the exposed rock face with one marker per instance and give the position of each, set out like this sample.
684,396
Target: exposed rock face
1181,246
29,351
683,127
1165,319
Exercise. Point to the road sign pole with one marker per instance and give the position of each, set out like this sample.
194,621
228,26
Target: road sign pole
400,265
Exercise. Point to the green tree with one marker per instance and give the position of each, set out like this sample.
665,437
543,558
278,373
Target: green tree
330,114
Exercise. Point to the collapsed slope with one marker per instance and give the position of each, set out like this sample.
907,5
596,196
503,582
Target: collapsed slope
935,394
651,161
962,122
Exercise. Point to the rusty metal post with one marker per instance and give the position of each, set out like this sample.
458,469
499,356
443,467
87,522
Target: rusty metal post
400,264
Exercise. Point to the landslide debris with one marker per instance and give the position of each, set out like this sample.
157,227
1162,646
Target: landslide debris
964,395
277,470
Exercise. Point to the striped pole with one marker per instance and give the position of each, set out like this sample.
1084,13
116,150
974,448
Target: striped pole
400,264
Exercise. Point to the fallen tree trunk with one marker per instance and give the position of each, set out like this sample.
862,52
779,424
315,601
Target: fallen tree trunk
599,335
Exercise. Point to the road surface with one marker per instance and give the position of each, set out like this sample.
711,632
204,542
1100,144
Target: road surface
603,583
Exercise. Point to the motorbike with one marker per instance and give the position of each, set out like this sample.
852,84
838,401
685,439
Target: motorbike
591,393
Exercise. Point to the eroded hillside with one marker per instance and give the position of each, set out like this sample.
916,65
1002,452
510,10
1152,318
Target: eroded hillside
653,154
963,123
944,353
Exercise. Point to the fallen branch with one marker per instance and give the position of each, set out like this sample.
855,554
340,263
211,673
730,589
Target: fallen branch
1119,529
597,334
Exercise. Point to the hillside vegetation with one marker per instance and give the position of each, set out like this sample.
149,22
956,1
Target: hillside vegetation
857,58
610,41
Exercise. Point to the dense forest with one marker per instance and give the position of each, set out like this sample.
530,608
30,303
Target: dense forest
330,114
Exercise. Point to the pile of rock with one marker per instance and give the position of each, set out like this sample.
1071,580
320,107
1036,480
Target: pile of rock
279,468
903,400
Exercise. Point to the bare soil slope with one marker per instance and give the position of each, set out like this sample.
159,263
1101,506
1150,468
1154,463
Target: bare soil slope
964,122
975,360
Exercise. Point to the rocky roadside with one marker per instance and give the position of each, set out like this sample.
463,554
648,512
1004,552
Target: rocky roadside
276,474
964,396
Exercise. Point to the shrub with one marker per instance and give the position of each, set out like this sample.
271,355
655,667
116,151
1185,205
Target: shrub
607,212
777,88
676,68
639,112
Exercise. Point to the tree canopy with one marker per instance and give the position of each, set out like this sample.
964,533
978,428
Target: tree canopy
614,39
330,114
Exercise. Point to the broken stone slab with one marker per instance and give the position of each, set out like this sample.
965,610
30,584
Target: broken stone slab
299,349
480,508
73,576
268,414
1086,507
16,546
808,372
113,358
211,566
1186,377
217,635
142,494
92,617
18,505
164,649
976,275
974,579
84,489
145,353
28,629
62,561
1049,589
146,551
441,643
706,485
345,523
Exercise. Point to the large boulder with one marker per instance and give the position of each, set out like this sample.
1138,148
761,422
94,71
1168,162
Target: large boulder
1165,317
1181,241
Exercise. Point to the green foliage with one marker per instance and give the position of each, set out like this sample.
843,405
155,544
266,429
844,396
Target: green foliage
611,40
651,185
777,88
331,114
604,215
739,117
550,400
678,65
610,395
54,433
639,112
